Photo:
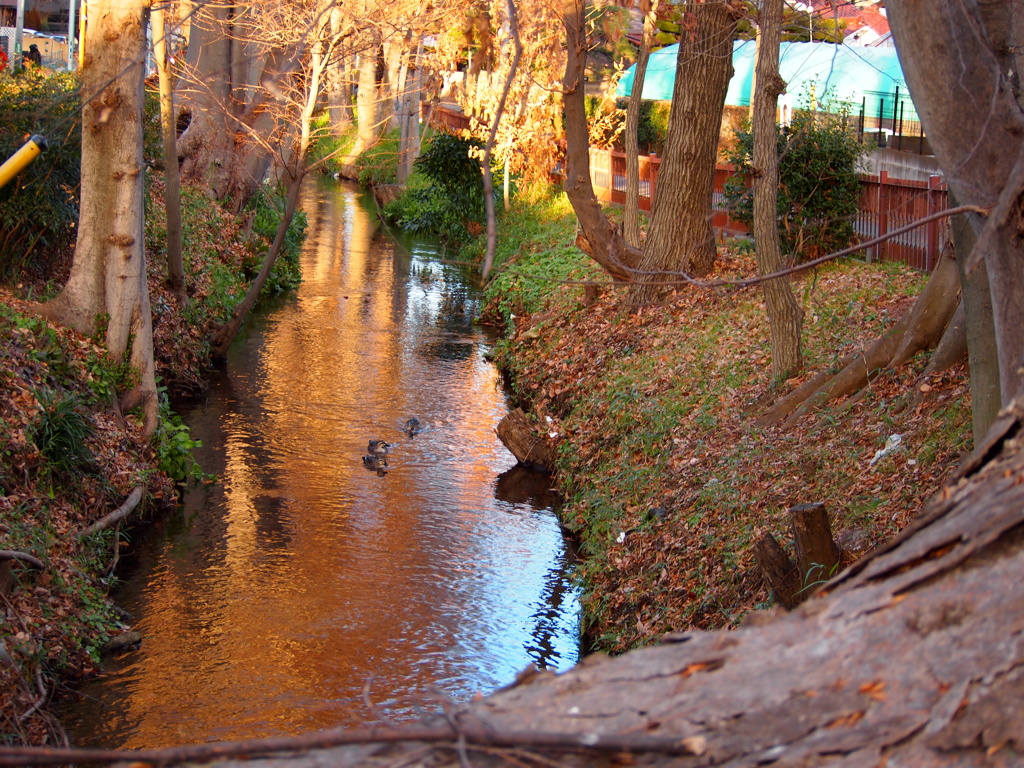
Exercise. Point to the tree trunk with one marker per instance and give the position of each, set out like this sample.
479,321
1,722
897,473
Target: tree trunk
205,146
680,237
172,198
336,77
784,314
969,111
982,351
367,121
598,238
408,109
631,216
108,276
231,86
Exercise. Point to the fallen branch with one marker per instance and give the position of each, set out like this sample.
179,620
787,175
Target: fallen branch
471,735
25,557
114,517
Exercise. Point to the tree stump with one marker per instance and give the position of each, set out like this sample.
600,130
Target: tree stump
520,437
779,571
817,556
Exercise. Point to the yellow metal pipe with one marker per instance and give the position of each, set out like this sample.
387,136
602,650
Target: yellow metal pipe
15,163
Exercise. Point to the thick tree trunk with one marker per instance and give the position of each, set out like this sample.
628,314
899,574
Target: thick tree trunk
367,112
784,314
409,109
172,197
680,237
230,85
205,146
108,276
631,216
969,111
598,238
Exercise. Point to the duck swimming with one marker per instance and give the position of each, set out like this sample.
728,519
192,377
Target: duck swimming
375,462
378,448
412,427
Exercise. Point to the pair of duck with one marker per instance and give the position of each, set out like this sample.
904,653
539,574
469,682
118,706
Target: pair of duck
376,457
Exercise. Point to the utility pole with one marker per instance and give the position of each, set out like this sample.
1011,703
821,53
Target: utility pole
72,28
19,26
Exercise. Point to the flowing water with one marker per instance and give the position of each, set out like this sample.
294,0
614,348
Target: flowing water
303,590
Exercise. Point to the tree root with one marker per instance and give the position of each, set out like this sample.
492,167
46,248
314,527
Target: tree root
11,554
922,328
114,517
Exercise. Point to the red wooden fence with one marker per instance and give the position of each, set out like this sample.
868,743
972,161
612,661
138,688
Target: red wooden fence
886,204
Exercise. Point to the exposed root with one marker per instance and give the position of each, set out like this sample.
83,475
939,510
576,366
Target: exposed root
920,329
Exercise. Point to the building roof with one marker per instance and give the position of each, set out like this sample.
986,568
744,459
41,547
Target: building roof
840,73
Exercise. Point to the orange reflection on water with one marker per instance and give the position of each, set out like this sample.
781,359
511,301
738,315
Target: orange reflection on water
282,590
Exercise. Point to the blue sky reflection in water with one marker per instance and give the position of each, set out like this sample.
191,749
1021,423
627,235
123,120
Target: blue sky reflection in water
278,593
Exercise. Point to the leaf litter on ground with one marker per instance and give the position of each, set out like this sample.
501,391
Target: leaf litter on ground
669,483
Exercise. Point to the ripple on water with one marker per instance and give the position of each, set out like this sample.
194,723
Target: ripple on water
272,599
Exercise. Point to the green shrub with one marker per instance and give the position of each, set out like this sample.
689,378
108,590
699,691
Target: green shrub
268,206
174,445
819,191
448,200
39,208
61,431
652,125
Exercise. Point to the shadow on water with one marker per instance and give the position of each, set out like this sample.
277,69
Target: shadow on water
275,595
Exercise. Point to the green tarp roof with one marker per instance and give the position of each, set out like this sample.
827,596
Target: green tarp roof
845,73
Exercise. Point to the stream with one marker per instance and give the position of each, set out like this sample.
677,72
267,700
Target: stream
303,590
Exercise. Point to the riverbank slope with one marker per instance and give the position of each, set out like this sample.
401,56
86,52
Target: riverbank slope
668,481
67,458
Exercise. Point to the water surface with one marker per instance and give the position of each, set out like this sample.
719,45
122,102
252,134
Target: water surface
305,591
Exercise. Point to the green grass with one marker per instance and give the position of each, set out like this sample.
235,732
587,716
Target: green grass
655,413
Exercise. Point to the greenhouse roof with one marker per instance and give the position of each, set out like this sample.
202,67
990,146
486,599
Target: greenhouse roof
837,73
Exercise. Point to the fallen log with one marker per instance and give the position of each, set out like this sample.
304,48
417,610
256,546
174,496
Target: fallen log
912,656
114,517
520,437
